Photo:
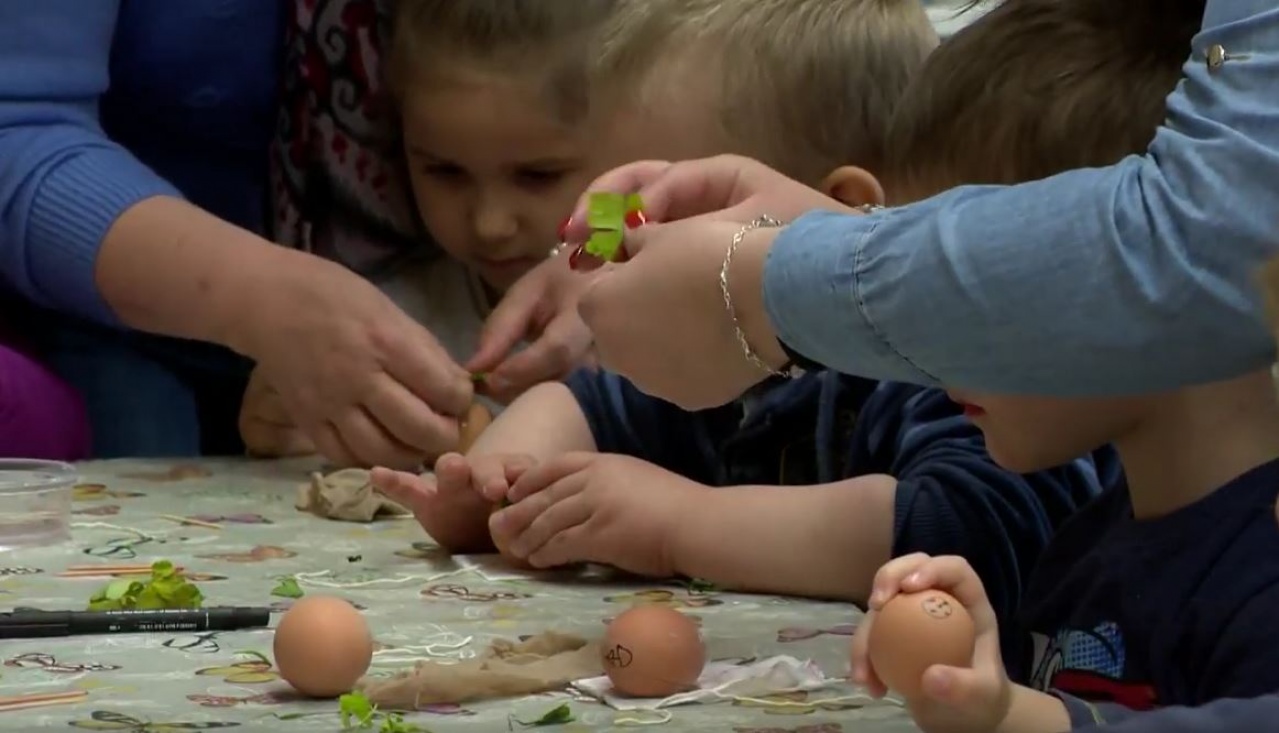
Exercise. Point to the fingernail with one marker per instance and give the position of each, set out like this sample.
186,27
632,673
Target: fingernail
563,230
875,599
912,579
859,674
635,219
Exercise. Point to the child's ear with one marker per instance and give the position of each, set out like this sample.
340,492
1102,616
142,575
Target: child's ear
853,186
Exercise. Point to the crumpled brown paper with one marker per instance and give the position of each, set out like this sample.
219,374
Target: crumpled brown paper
543,663
346,495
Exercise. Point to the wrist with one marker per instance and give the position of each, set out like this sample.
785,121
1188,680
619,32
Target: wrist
1032,711
261,286
685,527
746,289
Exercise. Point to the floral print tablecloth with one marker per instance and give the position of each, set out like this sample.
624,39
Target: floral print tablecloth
420,603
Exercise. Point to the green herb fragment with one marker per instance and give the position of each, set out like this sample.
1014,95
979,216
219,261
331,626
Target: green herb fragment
360,714
556,716
606,215
356,711
288,588
479,377
166,589
697,585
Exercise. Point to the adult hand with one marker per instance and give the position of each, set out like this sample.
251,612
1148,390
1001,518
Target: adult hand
265,425
661,321
595,507
725,187
974,699
541,309
365,382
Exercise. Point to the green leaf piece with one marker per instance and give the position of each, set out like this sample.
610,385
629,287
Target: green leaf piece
479,377
697,585
558,715
288,588
356,711
166,589
360,714
606,215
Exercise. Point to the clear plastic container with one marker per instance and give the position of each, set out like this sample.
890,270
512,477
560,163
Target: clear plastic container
35,502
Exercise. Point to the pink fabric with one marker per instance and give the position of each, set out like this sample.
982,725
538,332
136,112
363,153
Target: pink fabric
40,415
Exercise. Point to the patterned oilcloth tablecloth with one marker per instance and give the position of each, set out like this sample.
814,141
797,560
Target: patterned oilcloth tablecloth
419,602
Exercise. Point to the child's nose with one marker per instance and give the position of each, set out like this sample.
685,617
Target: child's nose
495,222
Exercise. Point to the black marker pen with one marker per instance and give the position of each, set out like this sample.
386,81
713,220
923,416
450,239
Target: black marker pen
33,624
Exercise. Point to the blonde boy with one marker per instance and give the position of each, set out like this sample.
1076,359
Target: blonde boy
609,475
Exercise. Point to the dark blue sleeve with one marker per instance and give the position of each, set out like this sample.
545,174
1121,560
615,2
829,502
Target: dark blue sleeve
626,421
952,499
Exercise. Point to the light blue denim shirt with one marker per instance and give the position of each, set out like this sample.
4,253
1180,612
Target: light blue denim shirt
1136,277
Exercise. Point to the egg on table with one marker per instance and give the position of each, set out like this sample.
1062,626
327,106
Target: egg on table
653,651
322,646
914,631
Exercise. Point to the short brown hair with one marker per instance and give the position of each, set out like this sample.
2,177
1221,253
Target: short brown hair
1037,87
804,85
548,38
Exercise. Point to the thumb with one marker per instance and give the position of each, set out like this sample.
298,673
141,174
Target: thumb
959,688
509,323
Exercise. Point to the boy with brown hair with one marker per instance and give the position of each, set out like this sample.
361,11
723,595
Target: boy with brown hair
1163,590
818,480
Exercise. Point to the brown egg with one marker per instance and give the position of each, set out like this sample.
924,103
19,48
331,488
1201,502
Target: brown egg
913,632
322,646
653,651
477,418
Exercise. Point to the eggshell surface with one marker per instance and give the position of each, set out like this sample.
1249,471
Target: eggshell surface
653,651
914,631
477,418
322,646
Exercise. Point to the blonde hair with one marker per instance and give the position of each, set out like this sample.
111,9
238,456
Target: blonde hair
804,85
1037,87
546,40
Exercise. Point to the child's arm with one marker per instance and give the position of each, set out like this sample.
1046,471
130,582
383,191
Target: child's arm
544,422
822,541
937,491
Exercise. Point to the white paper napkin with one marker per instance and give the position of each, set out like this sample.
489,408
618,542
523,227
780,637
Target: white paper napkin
721,681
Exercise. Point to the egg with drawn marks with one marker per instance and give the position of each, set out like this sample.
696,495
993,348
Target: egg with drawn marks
322,646
653,652
914,631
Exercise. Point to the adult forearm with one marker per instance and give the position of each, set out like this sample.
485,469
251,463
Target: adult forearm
817,541
1131,278
167,267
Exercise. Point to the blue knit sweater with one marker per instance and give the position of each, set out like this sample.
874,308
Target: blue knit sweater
109,102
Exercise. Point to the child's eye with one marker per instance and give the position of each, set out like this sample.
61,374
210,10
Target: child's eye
442,170
540,176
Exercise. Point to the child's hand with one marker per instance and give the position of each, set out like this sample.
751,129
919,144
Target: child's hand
265,426
591,507
955,700
451,505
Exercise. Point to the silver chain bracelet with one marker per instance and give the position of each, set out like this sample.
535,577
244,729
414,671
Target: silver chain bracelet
747,350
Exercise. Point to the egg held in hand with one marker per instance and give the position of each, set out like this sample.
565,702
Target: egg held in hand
653,651
322,646
477,418
914,631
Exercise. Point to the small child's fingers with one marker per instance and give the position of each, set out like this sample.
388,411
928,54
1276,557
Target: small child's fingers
492,476
952,574
888,578
961,688
860,671
401,486
453,472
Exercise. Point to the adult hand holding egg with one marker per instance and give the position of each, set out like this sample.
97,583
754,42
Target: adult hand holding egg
950,695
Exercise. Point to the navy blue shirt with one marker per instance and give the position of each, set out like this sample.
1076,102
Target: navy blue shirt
823,427
1179,610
